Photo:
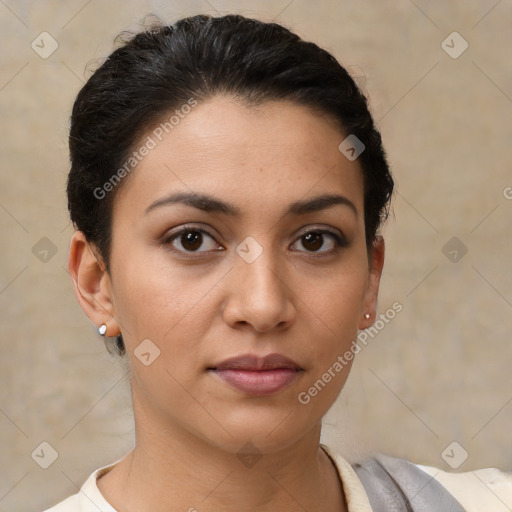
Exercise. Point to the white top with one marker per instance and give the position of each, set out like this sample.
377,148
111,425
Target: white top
480,490
484,489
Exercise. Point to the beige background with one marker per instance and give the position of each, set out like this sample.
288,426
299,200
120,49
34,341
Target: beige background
438,373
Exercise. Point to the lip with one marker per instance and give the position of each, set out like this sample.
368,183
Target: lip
258,376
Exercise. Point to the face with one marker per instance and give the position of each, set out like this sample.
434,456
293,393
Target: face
240,273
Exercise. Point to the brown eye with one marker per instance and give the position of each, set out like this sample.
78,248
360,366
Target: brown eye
323,242
313,241
191,240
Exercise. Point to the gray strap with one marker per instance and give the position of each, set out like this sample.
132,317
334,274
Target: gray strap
396,485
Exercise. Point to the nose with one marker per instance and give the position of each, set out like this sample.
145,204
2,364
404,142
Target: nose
259,295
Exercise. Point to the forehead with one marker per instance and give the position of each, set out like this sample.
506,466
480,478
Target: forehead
276,152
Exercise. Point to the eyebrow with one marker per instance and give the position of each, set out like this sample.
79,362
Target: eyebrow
212,204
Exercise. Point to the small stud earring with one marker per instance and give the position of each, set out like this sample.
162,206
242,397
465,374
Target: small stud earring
102,329
367,316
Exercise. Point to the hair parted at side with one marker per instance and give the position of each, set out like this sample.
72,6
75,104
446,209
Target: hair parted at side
163,67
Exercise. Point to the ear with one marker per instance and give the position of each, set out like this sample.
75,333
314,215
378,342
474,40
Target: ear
376,263
92,283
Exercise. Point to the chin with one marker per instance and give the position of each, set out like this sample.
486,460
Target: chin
265,431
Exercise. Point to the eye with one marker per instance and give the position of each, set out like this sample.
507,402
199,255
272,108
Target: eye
314,240
190,239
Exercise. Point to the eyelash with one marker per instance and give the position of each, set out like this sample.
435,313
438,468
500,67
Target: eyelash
340,241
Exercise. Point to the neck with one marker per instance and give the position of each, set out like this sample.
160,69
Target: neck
172,470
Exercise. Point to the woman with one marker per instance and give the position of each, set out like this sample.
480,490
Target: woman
227,187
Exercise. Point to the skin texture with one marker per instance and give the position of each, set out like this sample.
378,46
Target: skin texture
305,300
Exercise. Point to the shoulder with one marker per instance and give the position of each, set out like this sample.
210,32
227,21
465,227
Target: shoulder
398,484
89,498
71,504
421,486
476,490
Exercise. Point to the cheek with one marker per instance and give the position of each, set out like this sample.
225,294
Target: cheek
338,297
332,348
333,314
154,298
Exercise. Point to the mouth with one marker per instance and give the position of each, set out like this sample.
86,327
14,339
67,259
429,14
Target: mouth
258,376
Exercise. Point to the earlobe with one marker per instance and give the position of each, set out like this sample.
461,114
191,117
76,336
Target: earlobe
91,283
376,264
